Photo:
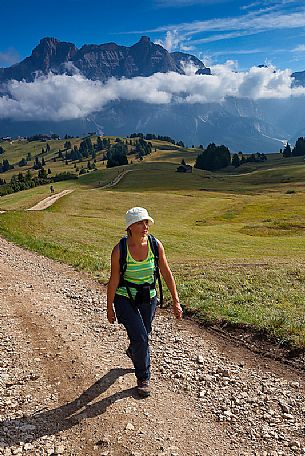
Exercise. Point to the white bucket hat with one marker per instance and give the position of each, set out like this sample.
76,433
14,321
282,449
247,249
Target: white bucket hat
136,214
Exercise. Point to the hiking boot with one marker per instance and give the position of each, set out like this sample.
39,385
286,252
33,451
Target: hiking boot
129,353
143,388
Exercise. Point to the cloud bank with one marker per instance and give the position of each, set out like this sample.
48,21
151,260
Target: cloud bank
62,97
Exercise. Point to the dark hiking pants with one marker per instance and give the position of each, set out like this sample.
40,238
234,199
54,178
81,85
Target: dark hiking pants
137,321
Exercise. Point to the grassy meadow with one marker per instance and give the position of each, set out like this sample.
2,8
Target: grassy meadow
235,239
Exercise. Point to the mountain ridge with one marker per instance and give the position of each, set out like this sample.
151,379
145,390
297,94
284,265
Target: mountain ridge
99,61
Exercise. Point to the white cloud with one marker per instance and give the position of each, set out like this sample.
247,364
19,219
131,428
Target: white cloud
189,68
186,48
61,97
299,48
268,3
242,52
171,41
222,36
251,5
174,41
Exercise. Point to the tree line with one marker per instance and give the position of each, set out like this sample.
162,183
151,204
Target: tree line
297,151
217,157
152,136
26,181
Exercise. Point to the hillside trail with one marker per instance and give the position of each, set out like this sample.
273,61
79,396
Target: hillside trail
67,387
47,202
275,168
117,179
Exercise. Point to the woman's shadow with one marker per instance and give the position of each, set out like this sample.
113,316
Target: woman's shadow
48,422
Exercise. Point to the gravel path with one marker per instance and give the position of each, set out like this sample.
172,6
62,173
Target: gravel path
66,386
47,202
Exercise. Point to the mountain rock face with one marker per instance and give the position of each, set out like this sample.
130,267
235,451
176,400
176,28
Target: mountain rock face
49,55
99,62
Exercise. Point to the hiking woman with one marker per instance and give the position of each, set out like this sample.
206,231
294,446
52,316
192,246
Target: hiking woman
131,293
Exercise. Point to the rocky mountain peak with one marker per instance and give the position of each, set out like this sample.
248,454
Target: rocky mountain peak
51,54
144,39
53,46
48,41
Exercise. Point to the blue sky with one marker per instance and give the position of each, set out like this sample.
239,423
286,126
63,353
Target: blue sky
250,32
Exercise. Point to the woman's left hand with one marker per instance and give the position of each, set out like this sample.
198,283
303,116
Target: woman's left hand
177,310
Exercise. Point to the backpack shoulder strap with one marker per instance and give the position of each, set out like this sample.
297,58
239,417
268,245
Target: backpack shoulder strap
154,245
123,255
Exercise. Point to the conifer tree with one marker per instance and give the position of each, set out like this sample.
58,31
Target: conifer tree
236,160
213,158
287,151
299,148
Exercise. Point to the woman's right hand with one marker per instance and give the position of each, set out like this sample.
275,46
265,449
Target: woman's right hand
111,315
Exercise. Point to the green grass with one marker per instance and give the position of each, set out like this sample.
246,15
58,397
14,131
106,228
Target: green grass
236,248
174,155
266,295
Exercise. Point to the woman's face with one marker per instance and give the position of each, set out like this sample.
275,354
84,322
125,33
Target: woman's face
139,228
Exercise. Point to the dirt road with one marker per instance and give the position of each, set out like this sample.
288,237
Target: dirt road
47,202
66,386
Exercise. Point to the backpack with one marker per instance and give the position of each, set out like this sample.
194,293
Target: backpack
123,265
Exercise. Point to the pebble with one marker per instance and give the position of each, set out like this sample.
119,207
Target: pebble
200,359
129,427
